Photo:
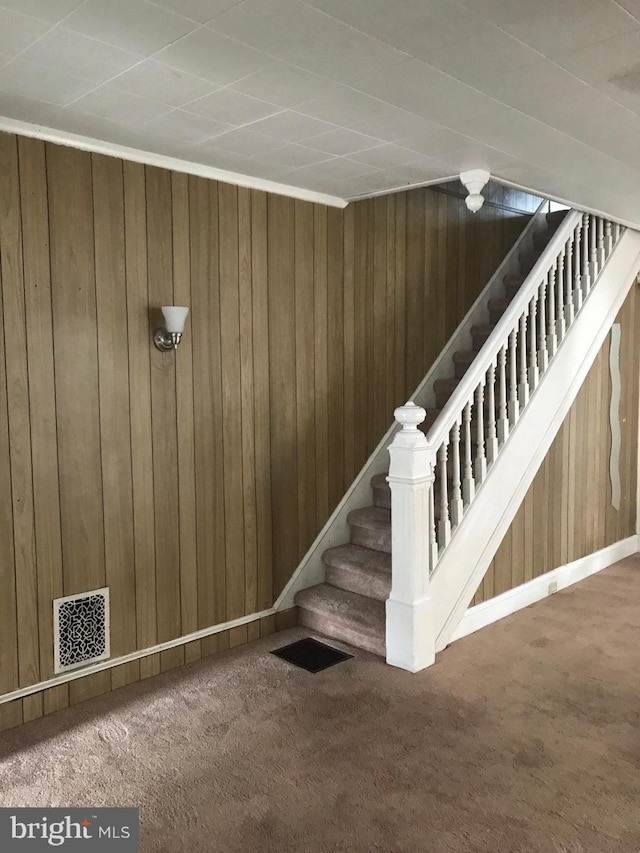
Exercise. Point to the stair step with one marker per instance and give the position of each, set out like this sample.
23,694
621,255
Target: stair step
497,307
381,491
555,217
480,333
444,388
346,616
462,360
359,570
371,528
528,259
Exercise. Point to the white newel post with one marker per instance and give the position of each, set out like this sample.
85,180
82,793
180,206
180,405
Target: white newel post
410,636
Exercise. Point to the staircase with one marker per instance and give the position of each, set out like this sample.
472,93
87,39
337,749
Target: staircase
491,405
350,605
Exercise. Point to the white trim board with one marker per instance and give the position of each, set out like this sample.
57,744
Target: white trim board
535,590
163,161
72,675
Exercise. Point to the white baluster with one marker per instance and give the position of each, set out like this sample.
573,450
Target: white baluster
513,406
410,638
503,415
457,507
585,280
569,312
593,250
468,483
533,344
601,247
616,232
523,386
492,438
608,238
481,459
577,267
552,336
543,355
560,326
444,525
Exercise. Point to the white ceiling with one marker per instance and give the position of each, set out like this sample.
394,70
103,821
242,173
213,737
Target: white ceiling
345,97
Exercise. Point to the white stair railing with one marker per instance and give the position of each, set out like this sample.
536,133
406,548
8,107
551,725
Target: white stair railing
487,403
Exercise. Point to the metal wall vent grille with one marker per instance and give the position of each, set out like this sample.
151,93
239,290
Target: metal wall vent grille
81,629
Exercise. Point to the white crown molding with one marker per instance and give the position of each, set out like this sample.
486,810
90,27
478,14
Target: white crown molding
149,158
535,590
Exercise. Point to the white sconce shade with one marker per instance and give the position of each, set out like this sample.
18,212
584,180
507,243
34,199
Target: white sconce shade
174,318
168,338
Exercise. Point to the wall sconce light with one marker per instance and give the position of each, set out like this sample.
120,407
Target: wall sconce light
168,337
474,180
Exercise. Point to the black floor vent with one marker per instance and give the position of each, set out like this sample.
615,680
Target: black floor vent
311,654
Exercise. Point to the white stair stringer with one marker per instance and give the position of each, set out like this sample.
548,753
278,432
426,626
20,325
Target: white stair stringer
474,543
311,570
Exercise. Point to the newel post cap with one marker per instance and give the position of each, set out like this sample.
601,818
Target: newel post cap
409,416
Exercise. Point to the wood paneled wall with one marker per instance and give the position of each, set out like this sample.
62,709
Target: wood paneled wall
192,483
567,512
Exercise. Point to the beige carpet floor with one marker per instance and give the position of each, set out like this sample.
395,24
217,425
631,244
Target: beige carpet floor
524,737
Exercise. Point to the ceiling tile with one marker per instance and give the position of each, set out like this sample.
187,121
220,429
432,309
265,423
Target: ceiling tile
291,127
131,24
286,85
334,169
214,57
220,159
425,91
385,156
607,60
231,107
421,171
198,10
65,51
119,106
341,141
571,24
507,11
344,106
47,10
395,124
632,7
294,156
309,39
18,31
246,142
413,26
26,109
260,24
159,82
20,77
186,127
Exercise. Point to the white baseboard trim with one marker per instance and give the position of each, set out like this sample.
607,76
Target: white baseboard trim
21,692
534,590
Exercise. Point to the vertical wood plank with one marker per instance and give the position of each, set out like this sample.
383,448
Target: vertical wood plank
20,483
321,366
262,402
305,376
335,355
139,332
113,387
44,449
207,395
247,389
163,410
348,332
231,399
184,408
76,367
282,343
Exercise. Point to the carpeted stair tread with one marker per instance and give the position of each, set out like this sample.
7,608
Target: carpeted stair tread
354,619
556,216
371,528
360,570
463,359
